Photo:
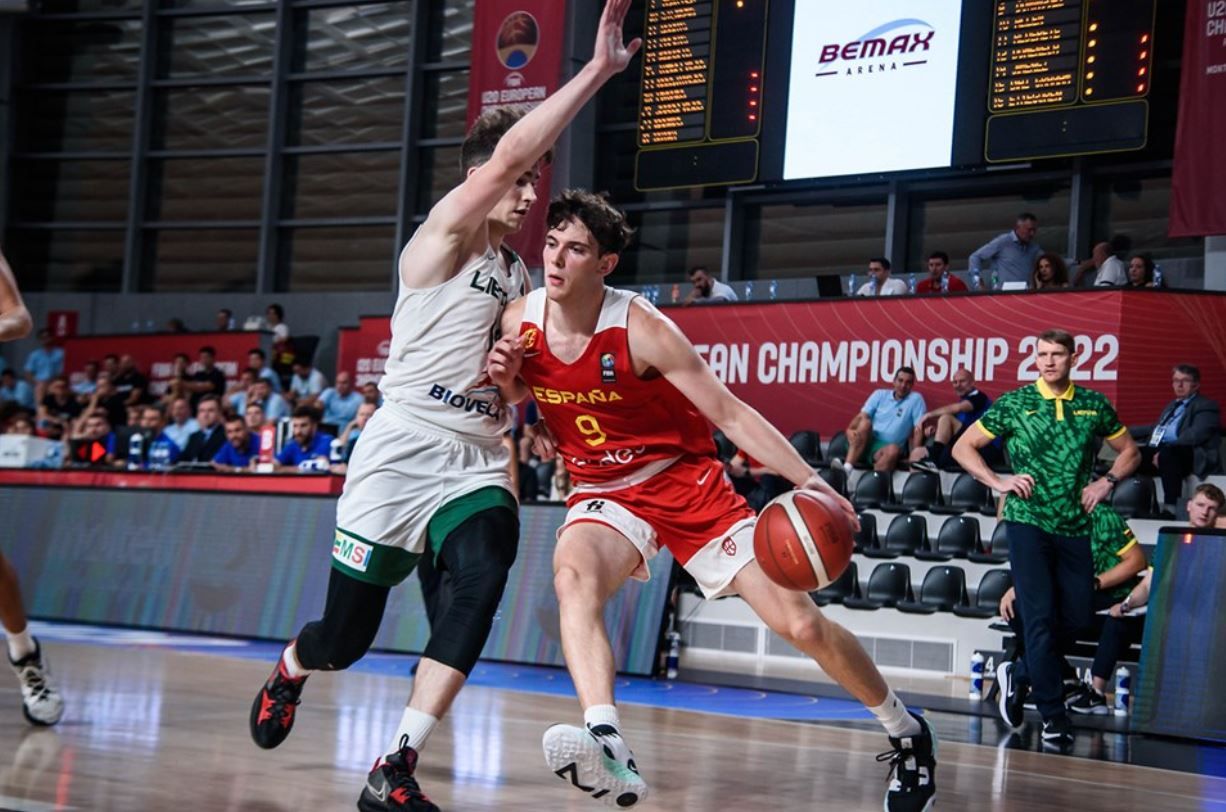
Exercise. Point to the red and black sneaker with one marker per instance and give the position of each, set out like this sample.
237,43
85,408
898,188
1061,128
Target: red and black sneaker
391,787
272,713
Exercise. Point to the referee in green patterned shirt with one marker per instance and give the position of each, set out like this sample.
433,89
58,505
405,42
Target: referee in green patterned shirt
1049,429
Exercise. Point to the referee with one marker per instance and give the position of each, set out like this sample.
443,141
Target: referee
1049,429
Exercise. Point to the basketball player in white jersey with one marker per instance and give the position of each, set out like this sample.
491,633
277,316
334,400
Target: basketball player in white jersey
626,400
40,701
430,474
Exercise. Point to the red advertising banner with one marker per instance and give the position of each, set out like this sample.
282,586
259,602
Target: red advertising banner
517,60
811,365
154,352
1198,207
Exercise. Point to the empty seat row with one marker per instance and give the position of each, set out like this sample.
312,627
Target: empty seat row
943,590
907,535
922,491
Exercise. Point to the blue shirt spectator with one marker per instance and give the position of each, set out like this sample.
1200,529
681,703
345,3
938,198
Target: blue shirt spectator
47,361
340,403
182,425
294,452
88,384
16,390
162,452
258,361
893,418
241,446
1013,254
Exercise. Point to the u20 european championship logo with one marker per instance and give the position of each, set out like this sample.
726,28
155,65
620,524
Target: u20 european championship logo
518,38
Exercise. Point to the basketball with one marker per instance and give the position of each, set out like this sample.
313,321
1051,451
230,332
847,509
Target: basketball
802,541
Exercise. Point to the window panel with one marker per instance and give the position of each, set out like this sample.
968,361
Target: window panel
335,258
355,184
225,45
667,243
216,260
439,174
70,6
346,111
220,5
446,105
376,35
453,19
959,226
93,120
787,240
615,155
1133,212
66,260
58,51
206,189
46,191
211,117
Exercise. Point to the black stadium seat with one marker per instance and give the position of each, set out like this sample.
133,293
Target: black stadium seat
942,590
921,490
998,551
874,489
905,536
1133,498
889,584
809,445
866,539
836,478
958,538
967,494
837,447
846,586
992,587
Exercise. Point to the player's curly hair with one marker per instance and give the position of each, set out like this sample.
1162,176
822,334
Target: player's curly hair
608,225
486,132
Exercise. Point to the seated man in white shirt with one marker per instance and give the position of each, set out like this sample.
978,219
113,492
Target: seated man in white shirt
181,425
1109,270
306,385
880,283
707,288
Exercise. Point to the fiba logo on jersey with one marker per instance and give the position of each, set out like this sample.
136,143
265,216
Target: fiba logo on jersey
607,373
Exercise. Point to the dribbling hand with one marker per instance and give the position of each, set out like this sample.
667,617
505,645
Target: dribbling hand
504,360
816,483
543,444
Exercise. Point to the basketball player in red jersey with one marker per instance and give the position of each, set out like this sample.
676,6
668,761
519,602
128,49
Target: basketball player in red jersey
626,400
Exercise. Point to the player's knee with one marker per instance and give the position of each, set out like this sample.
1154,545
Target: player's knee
330,649
808,630
573,588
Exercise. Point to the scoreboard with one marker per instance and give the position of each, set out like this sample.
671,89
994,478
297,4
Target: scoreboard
742,91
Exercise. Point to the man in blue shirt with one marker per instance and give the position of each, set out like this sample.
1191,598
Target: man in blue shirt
44,363
881,429
159,450
1012,254
275,407
240,449
945,425
16,390
257,360
306,443
340,403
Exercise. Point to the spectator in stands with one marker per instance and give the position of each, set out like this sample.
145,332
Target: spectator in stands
878,433
1185,440
1012,255
349,437
306,442
274,317
224,321
254,417
274,406
158,450
110,364
181,425
1047,512
205,443
85,387
879,281
44,363
180,371
130,382
241,448
707,289
15,390
945,425
1108,267
176,325
58,406
207,380
939,279
1207,505
237,396
1140,272
371,393
340,403
20,424
92,441
107,399
307,384
259,362
1049,272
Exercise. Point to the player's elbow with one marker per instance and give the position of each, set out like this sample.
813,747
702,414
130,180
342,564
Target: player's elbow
22,324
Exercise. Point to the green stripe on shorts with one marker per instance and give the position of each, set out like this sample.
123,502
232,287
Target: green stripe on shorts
370,562
454,513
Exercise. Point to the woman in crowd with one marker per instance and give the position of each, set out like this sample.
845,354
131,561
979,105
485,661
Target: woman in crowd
1140,272
1049,272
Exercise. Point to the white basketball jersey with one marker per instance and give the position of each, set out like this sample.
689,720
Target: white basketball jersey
440,339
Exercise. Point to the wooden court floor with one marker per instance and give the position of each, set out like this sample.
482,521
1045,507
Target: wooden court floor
153,729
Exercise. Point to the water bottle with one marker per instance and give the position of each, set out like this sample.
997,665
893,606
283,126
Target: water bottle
911,283
976,279
136,445
995,280
336,451
945,283
1123,693
774,288
748,291
976,676
136,325
1157,276
676,293
851,284
149,328
674,652
872,286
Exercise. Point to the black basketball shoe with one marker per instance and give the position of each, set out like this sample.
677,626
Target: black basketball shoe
1011,696
391,787
1058,733
272,713
913,770
1088,701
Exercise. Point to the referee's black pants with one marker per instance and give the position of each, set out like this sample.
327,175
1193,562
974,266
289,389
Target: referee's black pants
1054,579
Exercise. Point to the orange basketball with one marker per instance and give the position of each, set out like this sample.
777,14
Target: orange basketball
802,540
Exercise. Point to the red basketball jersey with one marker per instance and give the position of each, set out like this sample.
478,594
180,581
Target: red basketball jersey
608,422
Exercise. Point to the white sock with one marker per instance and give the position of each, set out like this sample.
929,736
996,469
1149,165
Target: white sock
893,715
415,728
289,659
21,644
602,715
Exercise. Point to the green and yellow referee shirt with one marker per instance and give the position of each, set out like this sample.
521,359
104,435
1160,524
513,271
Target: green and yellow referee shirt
1050,436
